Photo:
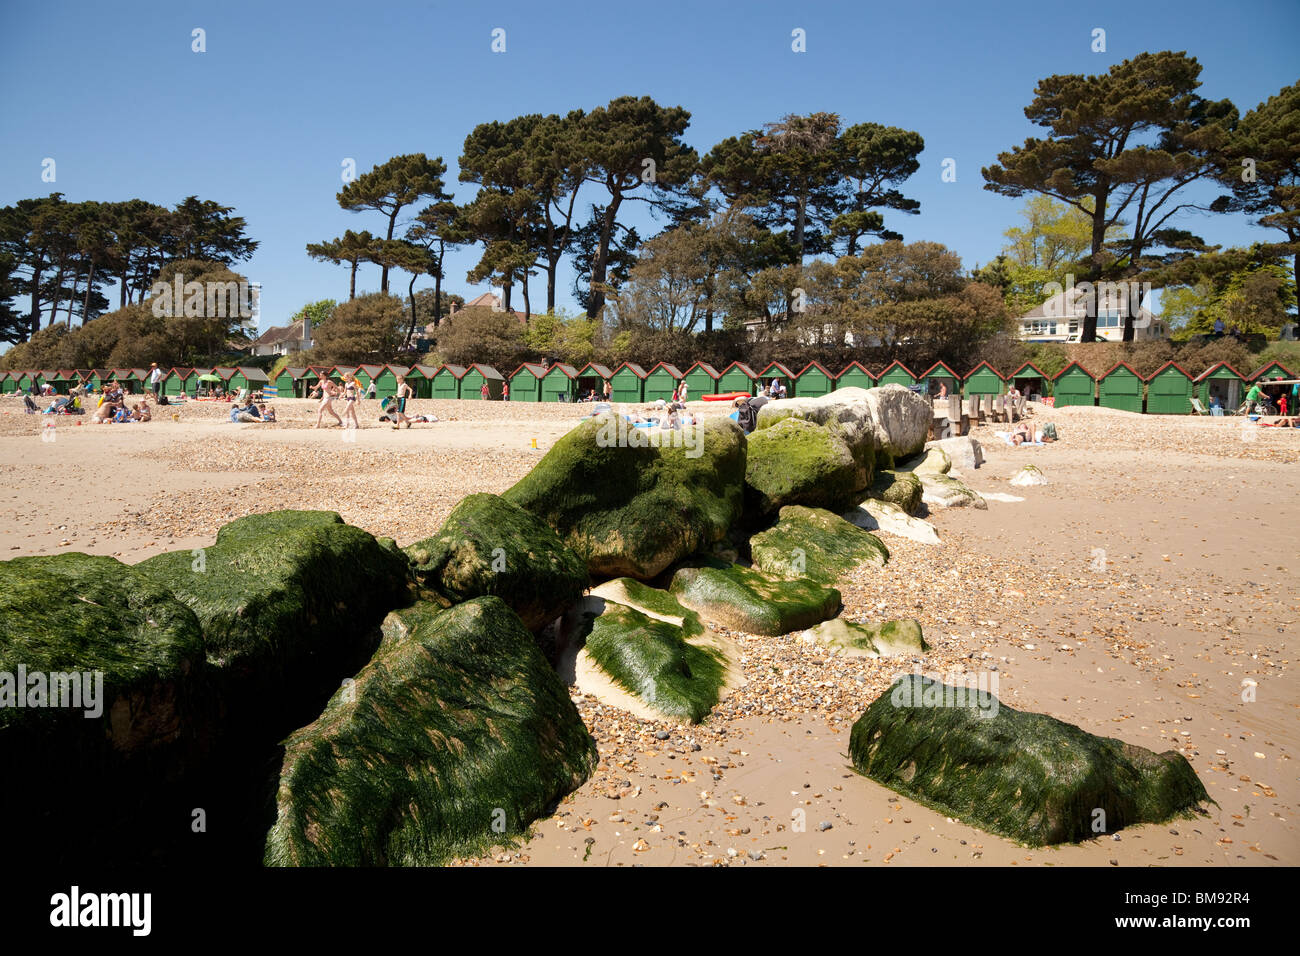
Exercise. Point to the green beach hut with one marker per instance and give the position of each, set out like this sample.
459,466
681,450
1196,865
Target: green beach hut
855,375
560,383
421,379
896,373
62,379
282,385
1074,385
628,384
813,382
173,383
446,381
370,373
661,382
592,378
1273,370
1029,380
476,376
250,378
701,379
1224,382
776,370
124,377
737,377
1169,391
385,379
937,375
8,384
1120,388
984,379
526,383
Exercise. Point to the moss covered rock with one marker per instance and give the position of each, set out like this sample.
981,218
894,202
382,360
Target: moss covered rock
1028,777
628,507
489,546
900,488
881,425
290,603
451,739
747,600
798,462
880,639
651,602
813,543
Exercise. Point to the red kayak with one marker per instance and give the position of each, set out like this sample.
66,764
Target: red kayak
727,397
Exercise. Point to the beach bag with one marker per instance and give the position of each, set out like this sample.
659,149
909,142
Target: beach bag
1049,431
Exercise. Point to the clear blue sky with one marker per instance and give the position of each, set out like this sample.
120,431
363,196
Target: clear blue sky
286,91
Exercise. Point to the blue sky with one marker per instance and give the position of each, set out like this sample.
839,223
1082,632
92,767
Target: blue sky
286,91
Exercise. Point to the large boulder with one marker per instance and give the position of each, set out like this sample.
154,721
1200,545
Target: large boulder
899,488
633,501
1028,777
489,546
796,462
839,637
102,707
747,600
455,737
290,603
816,544
963,452
880,425
873,515
944,491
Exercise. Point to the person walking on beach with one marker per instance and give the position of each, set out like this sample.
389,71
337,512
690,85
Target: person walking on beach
505,391
351,395
397,410
155,379
608,390
327,402
484,392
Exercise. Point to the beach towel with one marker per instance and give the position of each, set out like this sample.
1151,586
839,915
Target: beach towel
1006,437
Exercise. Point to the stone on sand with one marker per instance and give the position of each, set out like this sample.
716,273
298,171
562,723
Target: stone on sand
886,518
881,639
944,491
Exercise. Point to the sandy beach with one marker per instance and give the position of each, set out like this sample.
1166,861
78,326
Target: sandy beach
1147,592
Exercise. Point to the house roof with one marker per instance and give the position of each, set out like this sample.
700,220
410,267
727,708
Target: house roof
1071,303
225,373
402,370
278,334
373,370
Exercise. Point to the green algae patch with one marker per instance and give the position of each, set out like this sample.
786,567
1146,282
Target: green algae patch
747,600
652,602
632,501
455,737
799,462
652,660
879,639
290,603
812,543
489,546
1028,777
900,488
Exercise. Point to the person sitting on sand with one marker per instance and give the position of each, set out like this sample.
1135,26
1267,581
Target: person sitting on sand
142,413
268,412
248,413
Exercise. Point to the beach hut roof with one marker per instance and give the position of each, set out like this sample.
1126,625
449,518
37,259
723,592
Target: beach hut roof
1167,365
885,370
457,371
779,367
709,370
294,371
1132,371
180,371
344,369
976,369
817,365
636,370
945,367
429,371
566,370
855,364
1273,364
225,373
487,371
141,373
253,374
740,365
1030,365
1215,367
601,370
672,370
535,370
1070,366
402,370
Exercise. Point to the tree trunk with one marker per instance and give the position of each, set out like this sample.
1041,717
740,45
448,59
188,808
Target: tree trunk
528,308
34,316
506,289
600,266
1100,197
383,275
410,294
437,297
352,288
90,284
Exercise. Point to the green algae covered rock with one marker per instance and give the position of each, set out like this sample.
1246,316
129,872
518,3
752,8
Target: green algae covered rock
799,462
455,737
812,543
651,659
880,639
1028,777
290,603
651,602
489,546
632,501
747,600
899,488
68,617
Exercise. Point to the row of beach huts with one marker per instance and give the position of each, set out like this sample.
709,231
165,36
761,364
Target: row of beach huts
1170,390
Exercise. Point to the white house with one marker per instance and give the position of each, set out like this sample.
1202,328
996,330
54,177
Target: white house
283,339
1060,318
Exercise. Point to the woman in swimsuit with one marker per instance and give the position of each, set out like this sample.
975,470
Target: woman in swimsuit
351,395
327,402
